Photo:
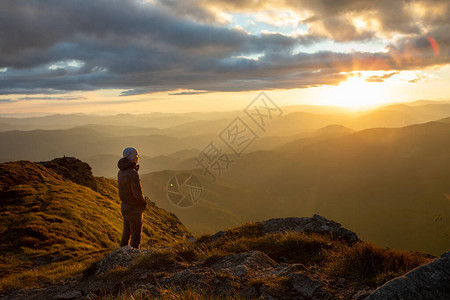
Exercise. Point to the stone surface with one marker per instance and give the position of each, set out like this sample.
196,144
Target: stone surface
305,286
430,281
360,295
217,235
122,257
316,224
69,295
72,169
244,263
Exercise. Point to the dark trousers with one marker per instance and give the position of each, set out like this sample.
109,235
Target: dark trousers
132,227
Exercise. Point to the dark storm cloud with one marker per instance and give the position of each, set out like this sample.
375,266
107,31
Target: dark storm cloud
53,46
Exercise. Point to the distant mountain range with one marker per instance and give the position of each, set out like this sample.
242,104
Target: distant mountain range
390,184
383,172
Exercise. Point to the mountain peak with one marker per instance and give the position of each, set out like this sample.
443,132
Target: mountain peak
25,172
72,169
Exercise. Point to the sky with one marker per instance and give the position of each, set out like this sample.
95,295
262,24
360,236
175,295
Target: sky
132,56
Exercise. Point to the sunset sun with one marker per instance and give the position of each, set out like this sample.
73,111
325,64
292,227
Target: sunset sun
357,92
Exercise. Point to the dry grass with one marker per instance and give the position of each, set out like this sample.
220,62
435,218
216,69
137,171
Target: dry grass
49,273
362,261
156,260
372,264
292,247
170,293
48,222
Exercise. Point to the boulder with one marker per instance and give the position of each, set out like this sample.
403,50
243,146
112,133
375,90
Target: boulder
306,287
430,281
122,257
72,169
316,224
246,263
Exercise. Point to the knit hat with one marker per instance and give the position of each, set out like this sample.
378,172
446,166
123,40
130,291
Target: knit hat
131,154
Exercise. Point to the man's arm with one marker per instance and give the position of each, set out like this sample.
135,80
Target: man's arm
136,189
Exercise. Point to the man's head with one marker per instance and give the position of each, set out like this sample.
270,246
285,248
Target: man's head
131,154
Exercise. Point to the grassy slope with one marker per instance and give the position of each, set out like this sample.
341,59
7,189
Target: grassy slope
47,220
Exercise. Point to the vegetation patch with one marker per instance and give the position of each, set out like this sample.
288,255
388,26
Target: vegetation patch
372,264
156,260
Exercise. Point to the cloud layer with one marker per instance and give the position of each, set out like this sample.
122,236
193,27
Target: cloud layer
149,46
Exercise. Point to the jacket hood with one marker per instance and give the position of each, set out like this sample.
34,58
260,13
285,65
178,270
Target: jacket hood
125,163
131,153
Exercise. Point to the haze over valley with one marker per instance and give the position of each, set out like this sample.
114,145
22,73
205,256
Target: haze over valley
383,172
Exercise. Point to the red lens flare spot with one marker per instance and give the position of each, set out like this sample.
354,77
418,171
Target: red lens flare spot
434,45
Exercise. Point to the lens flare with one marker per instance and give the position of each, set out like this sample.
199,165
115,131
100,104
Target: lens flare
434,45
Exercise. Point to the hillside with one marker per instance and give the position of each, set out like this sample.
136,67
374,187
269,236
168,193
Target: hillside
290,258
389,184
57,214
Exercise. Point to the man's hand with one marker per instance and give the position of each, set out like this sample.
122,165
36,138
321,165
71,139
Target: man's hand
149,201
145,202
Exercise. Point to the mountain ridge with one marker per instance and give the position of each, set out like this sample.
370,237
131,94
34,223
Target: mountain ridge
62,213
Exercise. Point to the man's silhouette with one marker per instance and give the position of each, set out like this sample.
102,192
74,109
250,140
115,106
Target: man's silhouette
131,196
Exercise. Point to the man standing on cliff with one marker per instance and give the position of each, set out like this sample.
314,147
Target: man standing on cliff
133,200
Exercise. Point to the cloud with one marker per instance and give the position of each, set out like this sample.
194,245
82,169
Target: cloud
419,79
188,93
57,46
59,99
65,98
381,78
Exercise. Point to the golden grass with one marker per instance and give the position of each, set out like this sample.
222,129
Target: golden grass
49,273
170,293
48,222
156,259
372,264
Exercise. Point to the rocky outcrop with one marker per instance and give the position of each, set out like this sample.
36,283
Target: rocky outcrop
251,275
430,281
317,224
72,169
243,264
122,257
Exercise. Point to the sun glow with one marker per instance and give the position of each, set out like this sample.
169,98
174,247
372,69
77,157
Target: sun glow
357,92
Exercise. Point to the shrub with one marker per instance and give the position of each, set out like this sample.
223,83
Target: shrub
186,251
292,247
213,257
246,230
374,265
156,260
205,238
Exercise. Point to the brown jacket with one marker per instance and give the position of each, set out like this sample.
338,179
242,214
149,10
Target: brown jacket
130,188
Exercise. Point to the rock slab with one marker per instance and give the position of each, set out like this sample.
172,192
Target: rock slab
430,281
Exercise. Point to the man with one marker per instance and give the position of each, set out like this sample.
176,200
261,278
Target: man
133,200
